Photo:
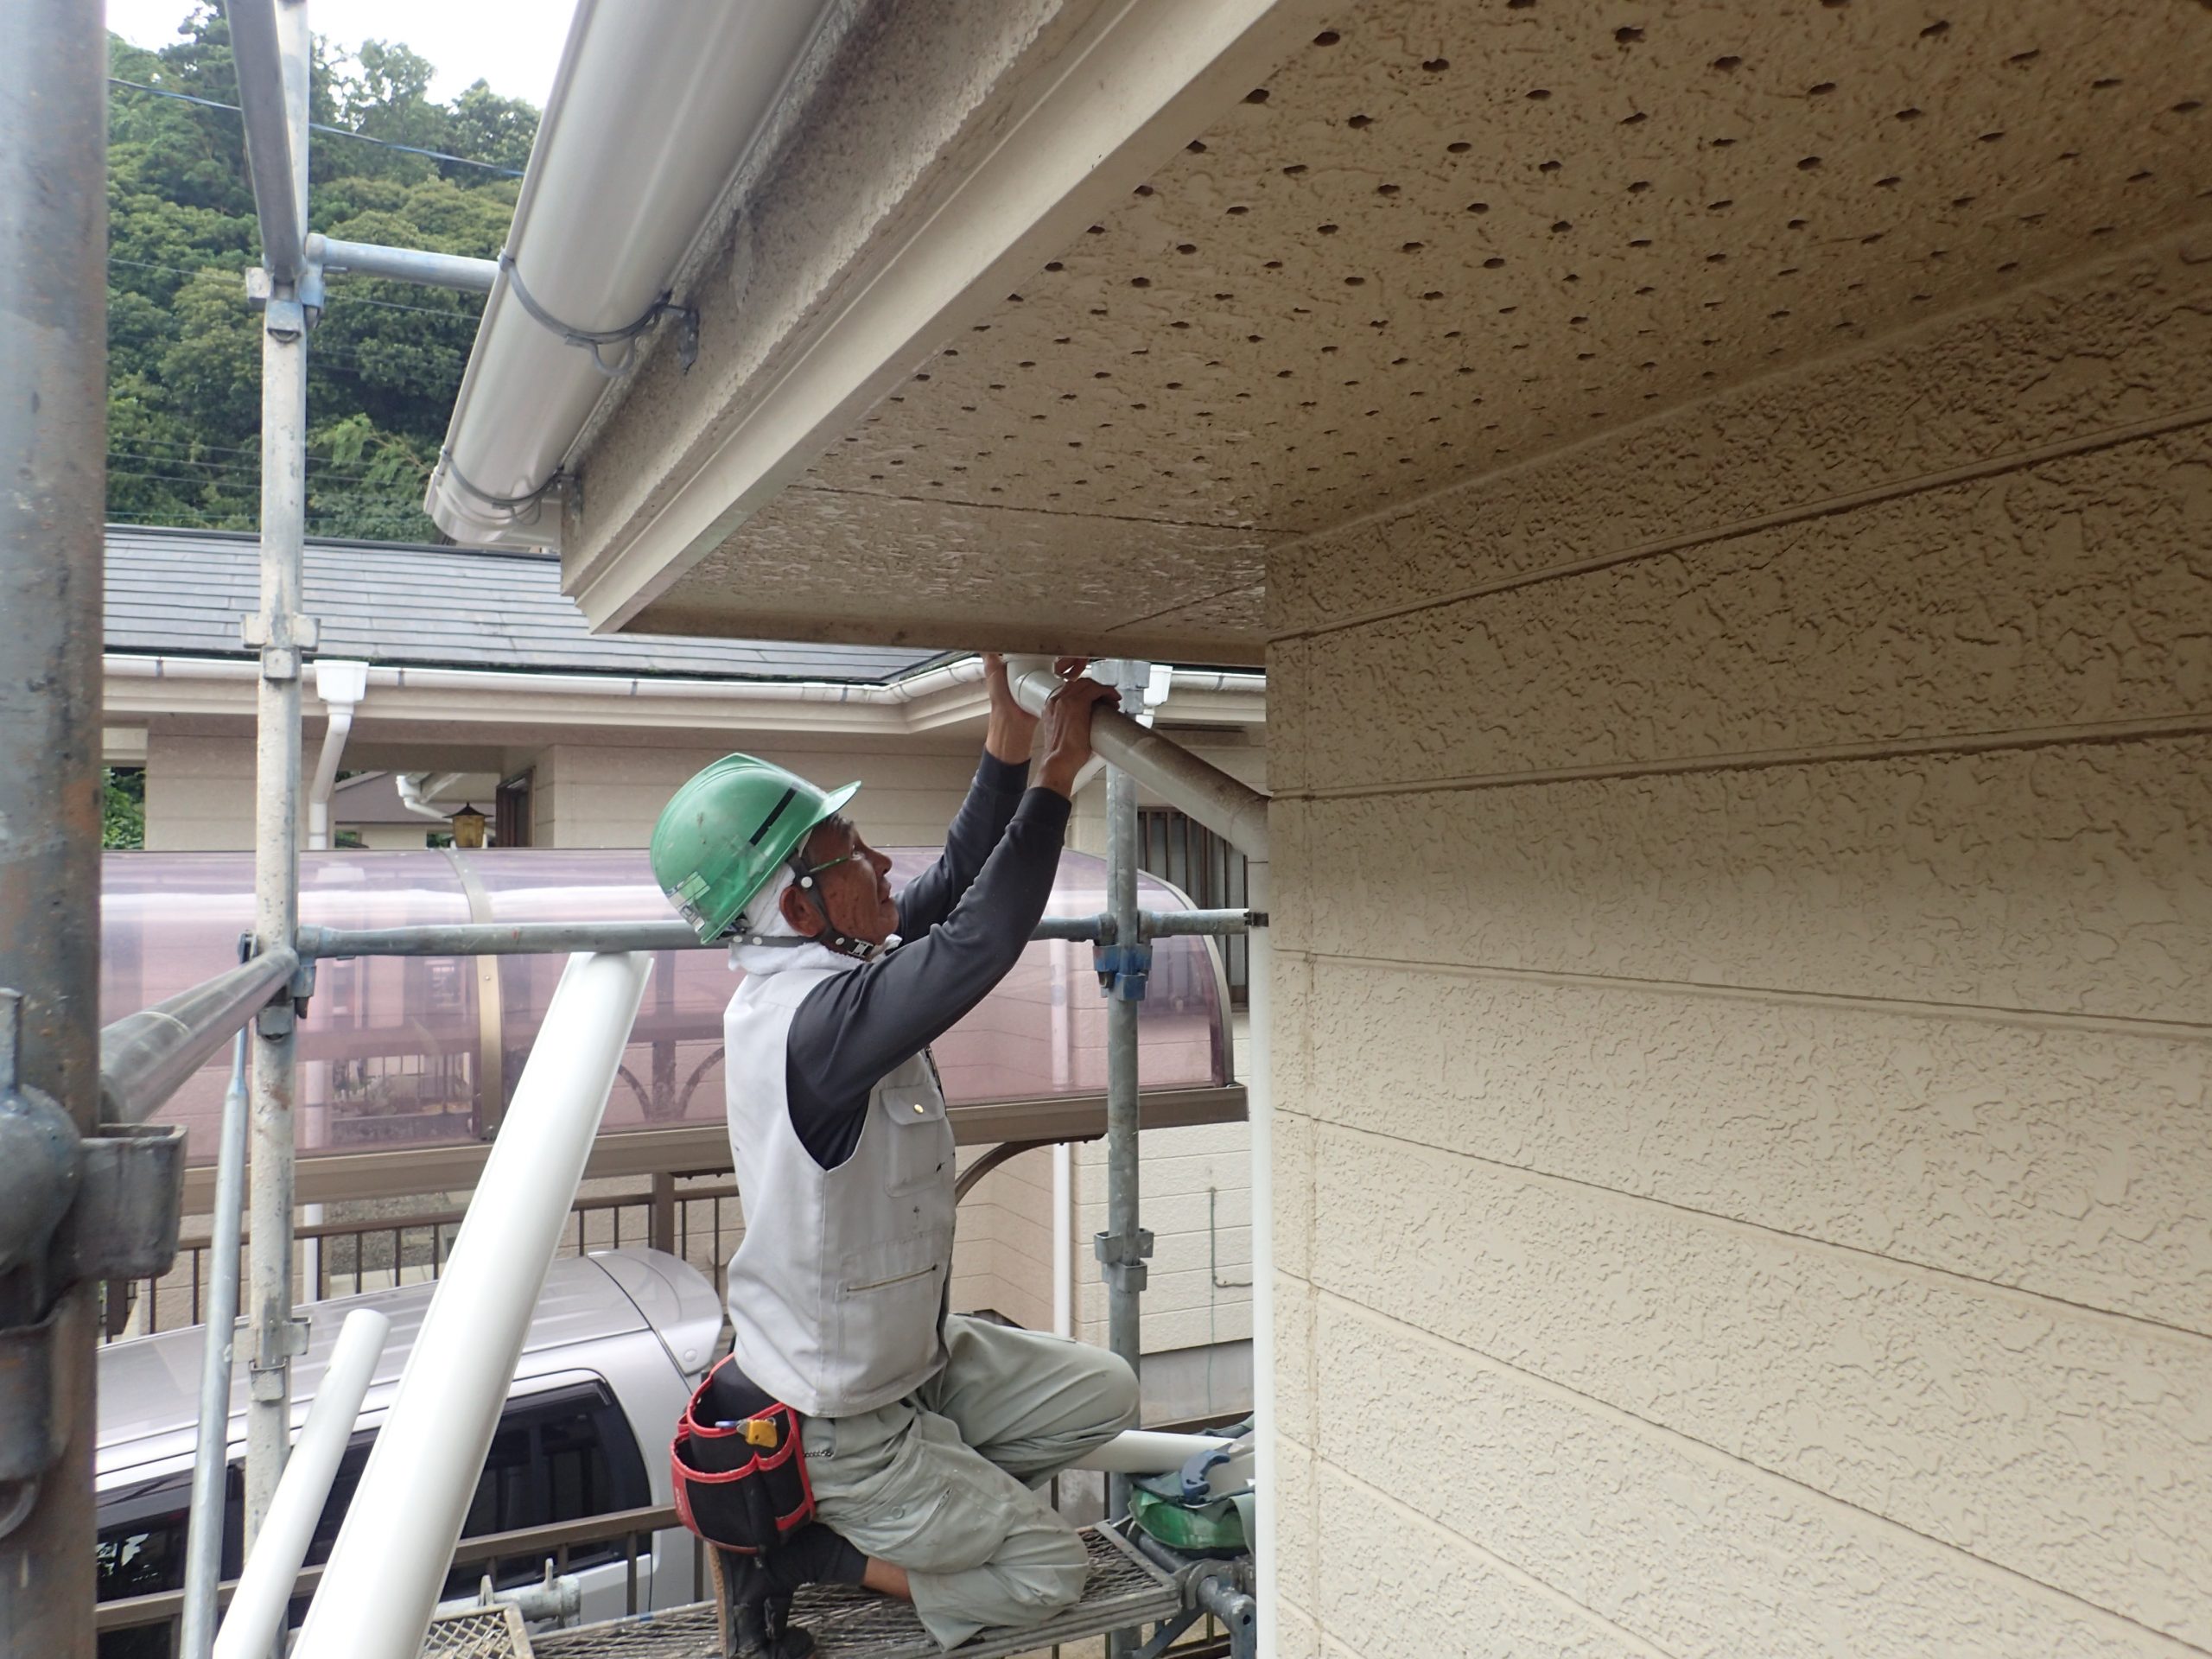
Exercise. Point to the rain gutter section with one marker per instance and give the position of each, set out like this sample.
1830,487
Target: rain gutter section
655,104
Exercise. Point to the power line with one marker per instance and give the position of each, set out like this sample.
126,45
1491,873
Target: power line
215,470
317,126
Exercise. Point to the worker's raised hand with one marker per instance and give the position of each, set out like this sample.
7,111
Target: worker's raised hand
1065,738
1013,728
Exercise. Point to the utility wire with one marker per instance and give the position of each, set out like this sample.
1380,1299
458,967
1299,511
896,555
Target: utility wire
317,126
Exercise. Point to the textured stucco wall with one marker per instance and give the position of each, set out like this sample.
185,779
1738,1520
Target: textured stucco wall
1744,898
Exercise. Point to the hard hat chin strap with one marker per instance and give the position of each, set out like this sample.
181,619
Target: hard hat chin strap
803,876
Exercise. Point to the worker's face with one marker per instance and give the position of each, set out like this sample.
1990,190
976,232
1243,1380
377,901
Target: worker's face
855,893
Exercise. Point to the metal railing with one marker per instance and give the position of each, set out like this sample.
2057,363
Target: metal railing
634,1529
383,1253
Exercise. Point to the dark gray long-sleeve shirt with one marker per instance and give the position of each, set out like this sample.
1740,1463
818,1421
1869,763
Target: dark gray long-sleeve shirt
965,921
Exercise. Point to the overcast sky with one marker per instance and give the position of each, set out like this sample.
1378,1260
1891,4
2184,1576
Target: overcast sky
513,44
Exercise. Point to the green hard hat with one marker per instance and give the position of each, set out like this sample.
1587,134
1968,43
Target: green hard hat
721,836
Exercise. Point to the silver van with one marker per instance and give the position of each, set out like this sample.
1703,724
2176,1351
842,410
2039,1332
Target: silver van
617,1344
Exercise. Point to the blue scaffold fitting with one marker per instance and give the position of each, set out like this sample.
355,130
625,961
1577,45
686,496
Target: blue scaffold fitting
1122,971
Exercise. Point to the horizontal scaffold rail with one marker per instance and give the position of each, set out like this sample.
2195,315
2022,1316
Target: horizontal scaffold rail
524,938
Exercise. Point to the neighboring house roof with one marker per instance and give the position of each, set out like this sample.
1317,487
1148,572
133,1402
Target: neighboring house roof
181,592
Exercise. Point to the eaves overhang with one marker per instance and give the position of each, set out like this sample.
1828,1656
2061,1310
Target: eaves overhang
1397,248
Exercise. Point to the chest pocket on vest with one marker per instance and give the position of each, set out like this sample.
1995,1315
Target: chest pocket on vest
917,1147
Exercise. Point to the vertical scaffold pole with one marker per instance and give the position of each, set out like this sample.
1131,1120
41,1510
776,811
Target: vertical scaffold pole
1125,1247
53,399
276,804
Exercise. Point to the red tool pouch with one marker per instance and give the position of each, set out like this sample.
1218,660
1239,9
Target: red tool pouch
739,1469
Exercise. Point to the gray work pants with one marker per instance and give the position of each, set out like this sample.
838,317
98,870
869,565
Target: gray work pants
939,1482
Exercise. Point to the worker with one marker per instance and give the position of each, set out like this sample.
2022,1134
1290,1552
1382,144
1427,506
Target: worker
924,1432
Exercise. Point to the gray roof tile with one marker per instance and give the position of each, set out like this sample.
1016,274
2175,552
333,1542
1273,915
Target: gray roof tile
181,592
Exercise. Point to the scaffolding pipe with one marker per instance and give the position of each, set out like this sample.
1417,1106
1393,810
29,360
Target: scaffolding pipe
404,264
1122,1250
144,1056
203,1537
1239,814
1259,1097
256,1618
54,370
1235,811
561,938
383,1578
273,81
261,41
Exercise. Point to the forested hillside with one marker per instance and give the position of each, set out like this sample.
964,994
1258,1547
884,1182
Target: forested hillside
184,352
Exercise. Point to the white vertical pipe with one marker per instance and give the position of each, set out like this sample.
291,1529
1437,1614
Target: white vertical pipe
203,1539
383,1578
1259,1105
256,1618
340,683
1062,955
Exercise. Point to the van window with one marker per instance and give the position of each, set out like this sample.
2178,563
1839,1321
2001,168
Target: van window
139,1551
560,1456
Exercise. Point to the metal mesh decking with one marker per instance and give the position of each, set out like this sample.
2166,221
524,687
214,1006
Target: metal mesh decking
1123,1591
481,1633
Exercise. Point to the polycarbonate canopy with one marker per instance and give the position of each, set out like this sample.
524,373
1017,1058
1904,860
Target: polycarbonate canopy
425,1051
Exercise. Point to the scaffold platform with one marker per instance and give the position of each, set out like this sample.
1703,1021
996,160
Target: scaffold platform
1125,1590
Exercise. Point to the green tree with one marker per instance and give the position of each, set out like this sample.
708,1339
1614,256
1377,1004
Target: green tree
123,818
385,360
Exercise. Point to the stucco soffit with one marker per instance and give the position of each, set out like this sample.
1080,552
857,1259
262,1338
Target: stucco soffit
1075,122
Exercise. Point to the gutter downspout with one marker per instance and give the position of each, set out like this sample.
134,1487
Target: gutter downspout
416,789
341,684
1239,814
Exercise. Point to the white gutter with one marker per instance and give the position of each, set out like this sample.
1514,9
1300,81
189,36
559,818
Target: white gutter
914,688
397,1538
654,107
896,693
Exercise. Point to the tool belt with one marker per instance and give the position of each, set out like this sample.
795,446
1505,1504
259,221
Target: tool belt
737,1467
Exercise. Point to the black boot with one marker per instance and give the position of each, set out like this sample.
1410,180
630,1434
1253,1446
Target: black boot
756,1613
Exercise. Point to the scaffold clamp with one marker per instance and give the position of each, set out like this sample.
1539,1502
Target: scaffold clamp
1123,969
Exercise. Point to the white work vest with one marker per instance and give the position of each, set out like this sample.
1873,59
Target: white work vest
838,1291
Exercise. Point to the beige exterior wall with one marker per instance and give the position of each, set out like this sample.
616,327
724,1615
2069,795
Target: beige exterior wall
608,795
199,793
1745,926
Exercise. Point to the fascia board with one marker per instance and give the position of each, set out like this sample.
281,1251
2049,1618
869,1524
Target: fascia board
1087,126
